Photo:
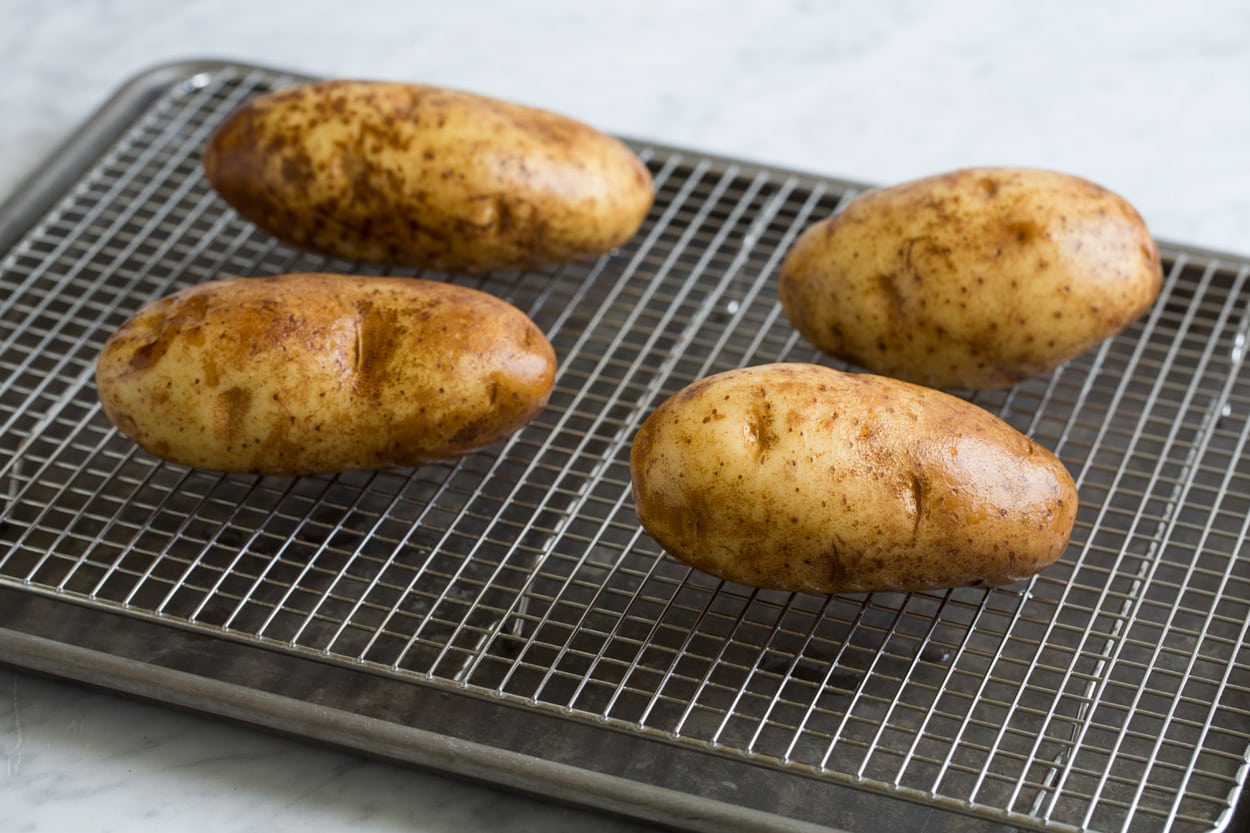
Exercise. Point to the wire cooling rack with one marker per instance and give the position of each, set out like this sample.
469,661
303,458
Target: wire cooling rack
1110,693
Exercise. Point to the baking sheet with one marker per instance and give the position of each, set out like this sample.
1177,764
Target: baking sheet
516,587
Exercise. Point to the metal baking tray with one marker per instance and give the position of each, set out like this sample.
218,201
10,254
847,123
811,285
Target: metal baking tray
504,618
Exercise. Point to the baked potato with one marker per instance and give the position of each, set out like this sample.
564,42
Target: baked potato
414,175
979,278
801,477
312,373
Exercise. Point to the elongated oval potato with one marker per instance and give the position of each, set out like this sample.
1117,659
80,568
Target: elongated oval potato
415,175
979,278
312,373
804,478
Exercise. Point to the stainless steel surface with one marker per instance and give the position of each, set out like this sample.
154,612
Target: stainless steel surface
1110,693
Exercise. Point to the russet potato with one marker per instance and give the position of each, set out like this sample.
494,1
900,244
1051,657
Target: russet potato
979,278
414,175
804,478
311,373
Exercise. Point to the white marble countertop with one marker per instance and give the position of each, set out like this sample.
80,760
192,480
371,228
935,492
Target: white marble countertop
1151,99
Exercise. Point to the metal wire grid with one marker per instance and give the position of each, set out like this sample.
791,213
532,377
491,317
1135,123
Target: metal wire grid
1110,693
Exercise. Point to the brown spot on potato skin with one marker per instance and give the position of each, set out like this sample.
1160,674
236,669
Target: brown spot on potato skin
915,281
907,489
1024,231
421,176
322,373
230,409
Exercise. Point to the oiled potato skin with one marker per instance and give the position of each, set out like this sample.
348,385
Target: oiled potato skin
416,175
801,477
979,278
313,373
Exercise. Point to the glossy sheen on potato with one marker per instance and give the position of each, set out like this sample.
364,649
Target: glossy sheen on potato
979,278
804,478
302,374
415,175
